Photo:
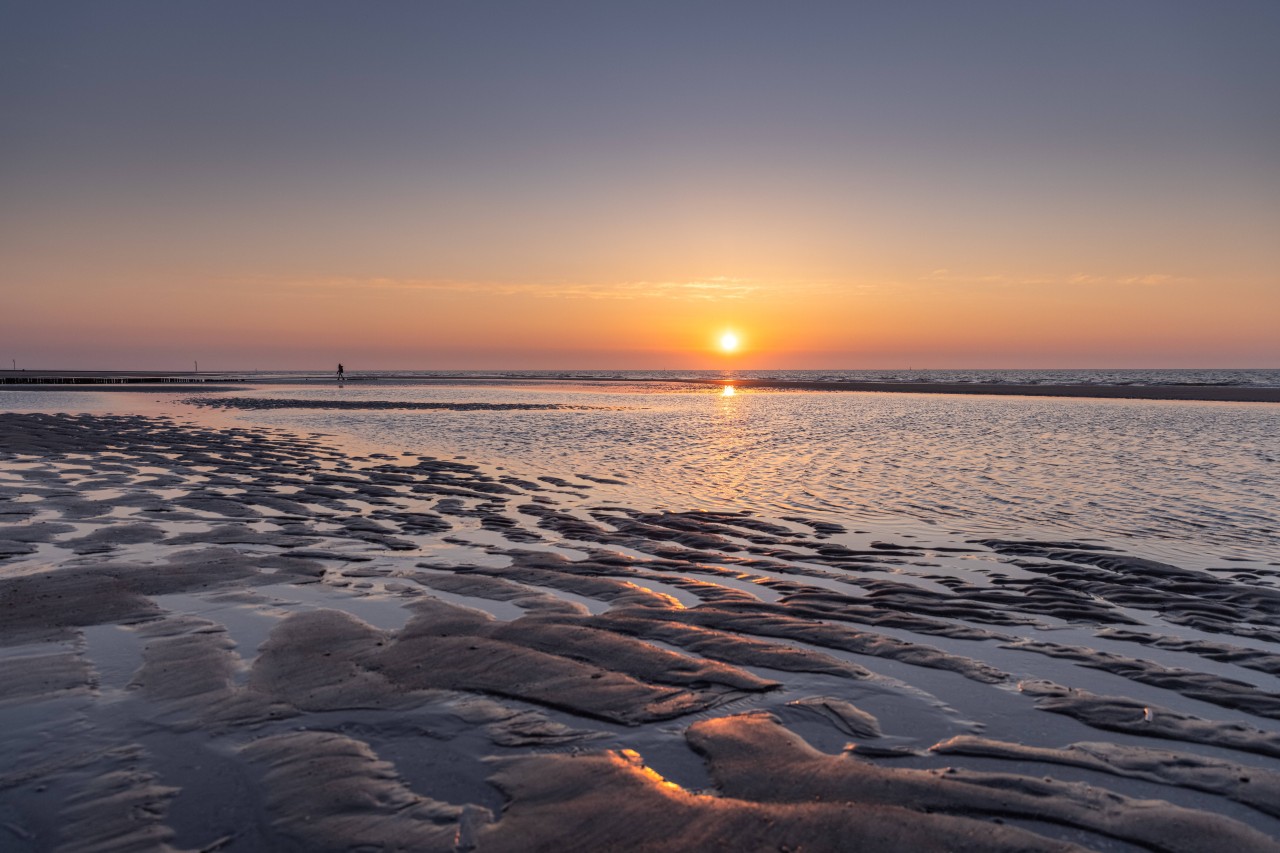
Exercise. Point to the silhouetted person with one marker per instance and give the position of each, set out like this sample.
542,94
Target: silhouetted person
340,373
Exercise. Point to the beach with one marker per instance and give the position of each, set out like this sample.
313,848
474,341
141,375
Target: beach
267,618
1106,392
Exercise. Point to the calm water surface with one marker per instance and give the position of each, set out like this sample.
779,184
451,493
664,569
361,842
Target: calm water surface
1259,377
1191,481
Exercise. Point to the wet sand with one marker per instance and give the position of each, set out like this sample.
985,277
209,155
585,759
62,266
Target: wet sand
244,639
1219,393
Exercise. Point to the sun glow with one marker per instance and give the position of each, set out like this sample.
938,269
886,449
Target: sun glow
729,342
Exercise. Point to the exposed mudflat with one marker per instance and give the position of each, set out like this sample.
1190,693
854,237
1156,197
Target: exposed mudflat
243,639
376,405
1130,392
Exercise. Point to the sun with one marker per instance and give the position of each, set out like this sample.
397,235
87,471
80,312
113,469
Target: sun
729,342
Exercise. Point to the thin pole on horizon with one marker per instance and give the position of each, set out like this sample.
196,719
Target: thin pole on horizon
197,367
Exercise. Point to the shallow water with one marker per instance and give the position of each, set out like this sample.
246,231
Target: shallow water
1259,377
1197,482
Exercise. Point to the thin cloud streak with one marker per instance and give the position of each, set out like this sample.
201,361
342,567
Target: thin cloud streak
709,289
1147,279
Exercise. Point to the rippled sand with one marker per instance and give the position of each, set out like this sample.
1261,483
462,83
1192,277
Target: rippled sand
244,639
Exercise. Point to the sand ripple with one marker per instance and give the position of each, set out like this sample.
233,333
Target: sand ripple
243,639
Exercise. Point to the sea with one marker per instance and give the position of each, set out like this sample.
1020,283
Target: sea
1263,378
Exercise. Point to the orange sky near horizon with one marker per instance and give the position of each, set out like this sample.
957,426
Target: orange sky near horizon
933,322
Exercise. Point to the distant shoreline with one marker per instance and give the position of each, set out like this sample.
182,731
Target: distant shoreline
152,381
1206,393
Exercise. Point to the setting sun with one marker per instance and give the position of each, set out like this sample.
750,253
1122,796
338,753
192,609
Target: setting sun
728,342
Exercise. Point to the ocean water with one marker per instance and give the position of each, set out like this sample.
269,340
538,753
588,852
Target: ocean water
1267,378
1194,483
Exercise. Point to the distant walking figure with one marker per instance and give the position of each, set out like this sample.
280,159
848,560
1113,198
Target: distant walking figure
340,373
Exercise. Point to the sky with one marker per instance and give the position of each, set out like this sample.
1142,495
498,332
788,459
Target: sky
450,185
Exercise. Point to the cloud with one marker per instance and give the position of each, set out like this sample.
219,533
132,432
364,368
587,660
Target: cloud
704,289
947,276
709,289
1145,279
1155,279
